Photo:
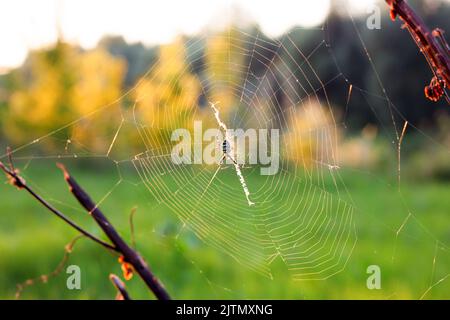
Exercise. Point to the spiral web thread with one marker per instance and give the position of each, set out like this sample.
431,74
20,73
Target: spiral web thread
296,217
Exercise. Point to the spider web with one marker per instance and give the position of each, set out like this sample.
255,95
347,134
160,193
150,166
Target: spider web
296,218
303,216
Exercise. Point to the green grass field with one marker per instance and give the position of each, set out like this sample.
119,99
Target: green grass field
405,234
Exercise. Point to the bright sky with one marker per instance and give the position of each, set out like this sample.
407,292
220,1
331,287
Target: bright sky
26,24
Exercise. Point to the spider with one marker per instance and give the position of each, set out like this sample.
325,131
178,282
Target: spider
226,149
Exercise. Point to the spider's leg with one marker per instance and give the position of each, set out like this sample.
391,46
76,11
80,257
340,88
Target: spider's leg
231,158
241,166
246,161
222,160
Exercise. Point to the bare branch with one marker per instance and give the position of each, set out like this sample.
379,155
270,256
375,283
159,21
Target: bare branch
129,255
120,286
16,180
129,258
431,44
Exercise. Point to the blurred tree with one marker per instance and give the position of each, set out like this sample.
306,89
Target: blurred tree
138,57
59,85
98,83
225,64
166,99
310,137
41,98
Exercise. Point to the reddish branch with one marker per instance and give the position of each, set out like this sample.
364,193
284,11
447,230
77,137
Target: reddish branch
431,43
129,258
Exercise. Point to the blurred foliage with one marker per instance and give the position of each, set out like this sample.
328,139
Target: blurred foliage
98,84
41,98
225,63
138,57
63,83
311,137
167,98
56,86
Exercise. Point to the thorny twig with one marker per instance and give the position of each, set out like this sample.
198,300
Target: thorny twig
431,43
129,258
